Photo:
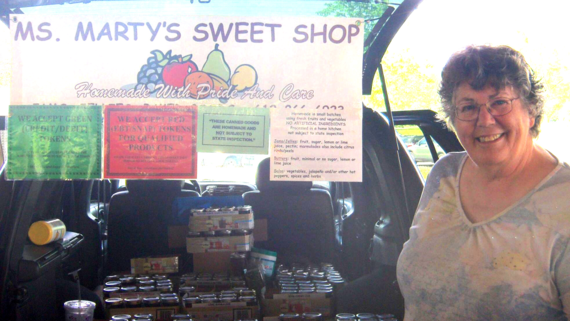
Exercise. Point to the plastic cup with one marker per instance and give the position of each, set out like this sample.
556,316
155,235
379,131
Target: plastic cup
79,310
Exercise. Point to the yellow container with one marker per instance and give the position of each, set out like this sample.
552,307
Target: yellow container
44,232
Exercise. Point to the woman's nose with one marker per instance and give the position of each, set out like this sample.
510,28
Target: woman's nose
485,118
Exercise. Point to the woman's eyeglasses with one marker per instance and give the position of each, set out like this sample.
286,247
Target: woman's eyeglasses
497,107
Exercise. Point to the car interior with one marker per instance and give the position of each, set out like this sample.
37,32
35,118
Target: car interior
359,227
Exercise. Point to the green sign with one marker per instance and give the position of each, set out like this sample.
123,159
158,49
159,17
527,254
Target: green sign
54,142
233,130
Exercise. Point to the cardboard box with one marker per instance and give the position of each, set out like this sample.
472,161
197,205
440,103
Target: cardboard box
240,243
154,265
298,303
215,262
222,311
221,222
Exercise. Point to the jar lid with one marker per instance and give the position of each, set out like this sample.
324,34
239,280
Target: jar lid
113,283
111,289
312,315
121,316
114,301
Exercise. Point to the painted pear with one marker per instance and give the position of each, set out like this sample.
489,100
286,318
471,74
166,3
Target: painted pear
217,65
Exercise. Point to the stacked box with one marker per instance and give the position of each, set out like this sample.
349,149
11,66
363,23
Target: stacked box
154,265
237,243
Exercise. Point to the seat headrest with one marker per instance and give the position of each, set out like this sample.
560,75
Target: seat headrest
137,186
264,184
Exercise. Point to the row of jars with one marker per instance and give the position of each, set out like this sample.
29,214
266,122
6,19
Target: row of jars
148,317
221,232
205,276
165,287
315,316
133,279
246,209
164,299
364,317
224,296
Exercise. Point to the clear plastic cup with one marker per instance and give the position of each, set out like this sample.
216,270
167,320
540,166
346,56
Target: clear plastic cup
79,310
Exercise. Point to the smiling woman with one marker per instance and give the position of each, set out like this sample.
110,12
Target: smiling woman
475,230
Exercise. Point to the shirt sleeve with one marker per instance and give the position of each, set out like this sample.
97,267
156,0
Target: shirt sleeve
562,277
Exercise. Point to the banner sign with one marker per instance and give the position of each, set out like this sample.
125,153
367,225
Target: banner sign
306,71
150,142
54,142
233,130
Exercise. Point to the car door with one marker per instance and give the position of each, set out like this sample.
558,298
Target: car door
376,214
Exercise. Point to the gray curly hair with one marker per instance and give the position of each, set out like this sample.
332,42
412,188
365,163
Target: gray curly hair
497,66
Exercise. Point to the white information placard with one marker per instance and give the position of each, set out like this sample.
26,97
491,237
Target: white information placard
306,71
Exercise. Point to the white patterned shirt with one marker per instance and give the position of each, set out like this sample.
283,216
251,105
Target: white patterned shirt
513,266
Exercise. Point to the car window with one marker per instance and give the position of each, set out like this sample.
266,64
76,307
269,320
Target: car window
413,73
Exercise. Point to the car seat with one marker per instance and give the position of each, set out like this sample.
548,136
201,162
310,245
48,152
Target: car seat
139,220
300,222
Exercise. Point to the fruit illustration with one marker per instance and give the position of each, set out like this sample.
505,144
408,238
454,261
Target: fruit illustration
150,74
244,77
217,65
194,80
219,83
175,72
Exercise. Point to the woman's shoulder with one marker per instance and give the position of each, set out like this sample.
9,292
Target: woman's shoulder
551,201
448,165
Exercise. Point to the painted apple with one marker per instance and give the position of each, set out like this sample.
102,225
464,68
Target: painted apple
175,72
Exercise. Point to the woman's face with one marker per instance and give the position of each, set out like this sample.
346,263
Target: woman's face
494,140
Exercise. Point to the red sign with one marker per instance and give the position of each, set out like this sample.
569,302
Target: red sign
150,142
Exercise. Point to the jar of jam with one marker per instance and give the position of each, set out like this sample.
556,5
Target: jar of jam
366,317
345,317
246,209
192,234
169,301
247,298
148,288
110,290
133,302
247,292
289,317
210,300
127,280
164,288
128,289
164,282
228,299
240,232
114,303
315,316
152,301
223,232
186,289
188,301
146,282
113,284
112,278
